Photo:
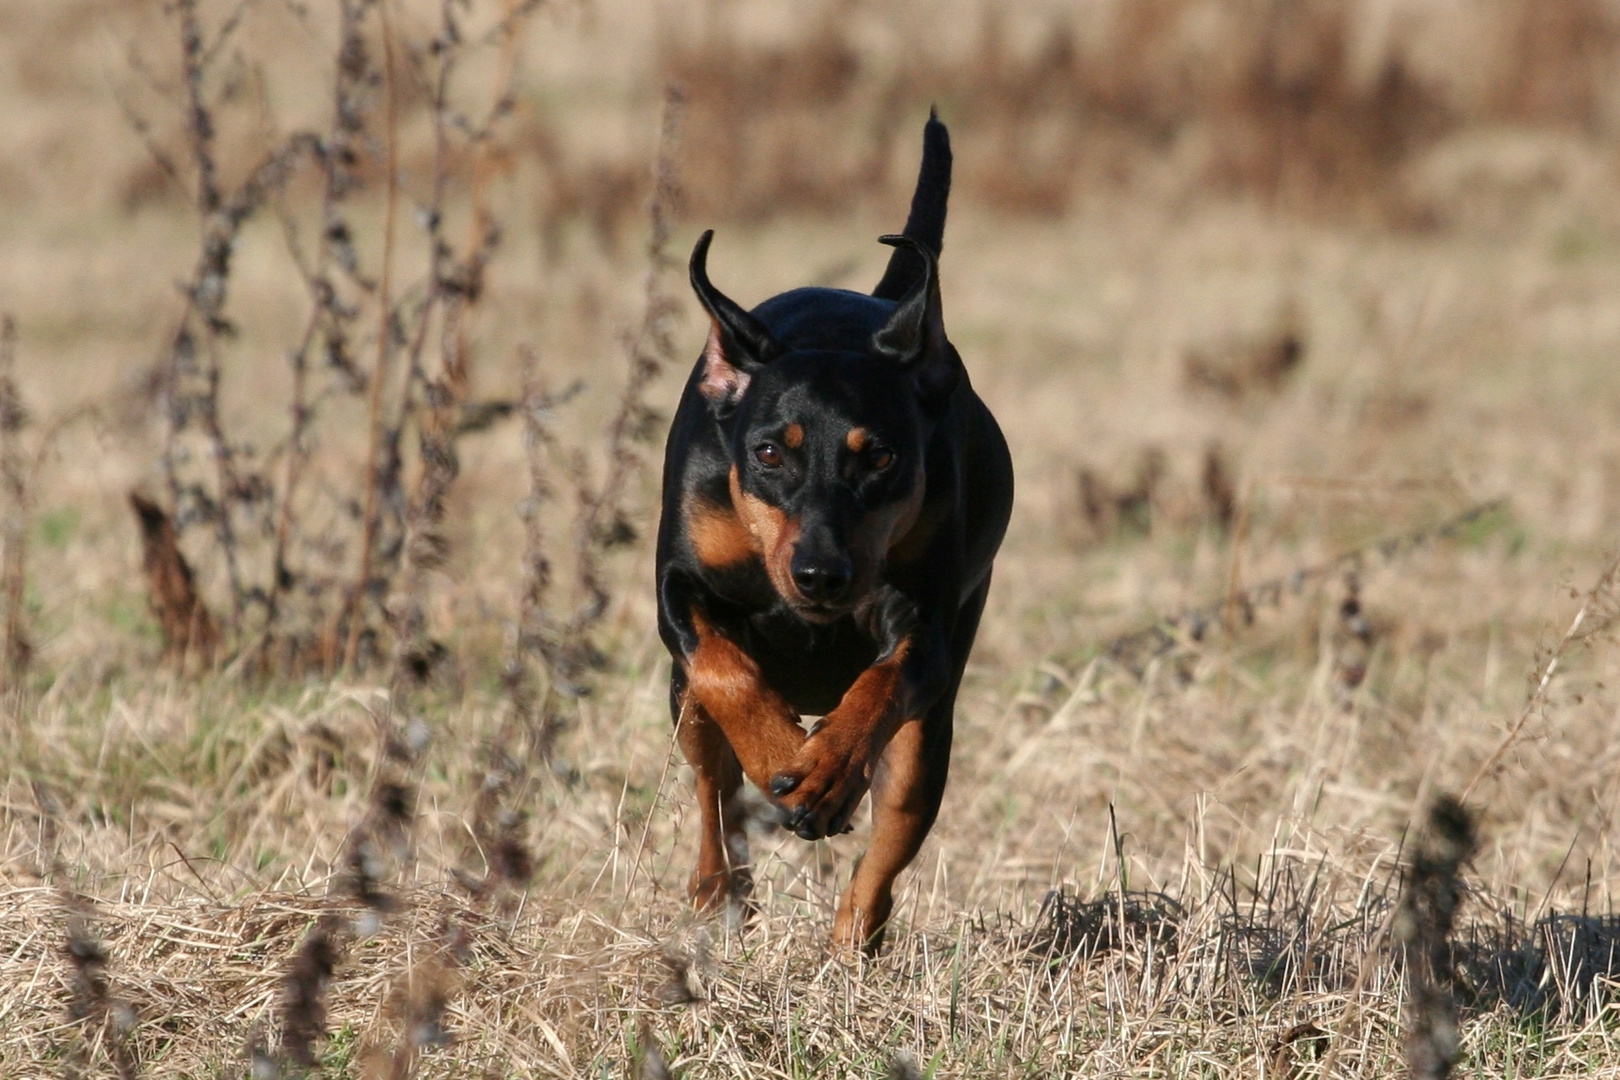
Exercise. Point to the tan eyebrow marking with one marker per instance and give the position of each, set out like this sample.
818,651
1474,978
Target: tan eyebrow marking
856,439
793,436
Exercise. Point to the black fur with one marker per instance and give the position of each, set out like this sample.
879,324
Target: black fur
830,362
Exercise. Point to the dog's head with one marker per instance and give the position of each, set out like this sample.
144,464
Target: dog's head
827,428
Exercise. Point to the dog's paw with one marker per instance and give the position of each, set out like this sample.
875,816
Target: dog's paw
727,893
819,792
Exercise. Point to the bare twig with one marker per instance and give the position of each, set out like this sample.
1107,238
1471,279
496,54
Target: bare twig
1600,600
331,320
369,520
1138,647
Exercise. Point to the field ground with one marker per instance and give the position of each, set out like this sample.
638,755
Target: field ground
1225,823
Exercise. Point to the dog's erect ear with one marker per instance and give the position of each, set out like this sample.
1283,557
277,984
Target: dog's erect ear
738,346
914,337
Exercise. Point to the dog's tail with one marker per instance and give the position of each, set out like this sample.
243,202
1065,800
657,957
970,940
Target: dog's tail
926,224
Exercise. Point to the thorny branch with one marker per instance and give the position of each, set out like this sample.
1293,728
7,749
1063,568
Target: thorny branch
315,575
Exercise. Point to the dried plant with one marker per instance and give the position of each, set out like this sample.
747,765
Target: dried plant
650,1063
499,824
535,633
1598,614
647,350
202,465
102,1018
320,573
1136,649
380,845
189,632
1353,638
440,376
15,647
303,991
336,283
604,522
1422,930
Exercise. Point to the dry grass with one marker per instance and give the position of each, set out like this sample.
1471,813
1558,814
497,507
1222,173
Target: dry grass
1182,857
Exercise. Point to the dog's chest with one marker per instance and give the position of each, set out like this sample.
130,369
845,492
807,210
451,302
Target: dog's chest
810,665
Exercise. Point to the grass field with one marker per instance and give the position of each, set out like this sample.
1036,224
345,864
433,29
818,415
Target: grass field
1219,370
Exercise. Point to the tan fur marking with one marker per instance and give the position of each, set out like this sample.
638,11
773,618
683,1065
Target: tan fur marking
774,535
794,436
761,727
722,872
856,439
902,808
837,761
717,537
872,699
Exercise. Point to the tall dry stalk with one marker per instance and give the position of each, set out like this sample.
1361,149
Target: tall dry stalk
1422,930
604,519
330,330
303,992
372,481
100,1018
648,350
15,647
202,464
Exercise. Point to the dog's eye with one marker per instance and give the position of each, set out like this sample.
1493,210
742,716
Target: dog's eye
768,455
881,459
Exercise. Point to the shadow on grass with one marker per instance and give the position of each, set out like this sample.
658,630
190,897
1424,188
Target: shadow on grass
1285,937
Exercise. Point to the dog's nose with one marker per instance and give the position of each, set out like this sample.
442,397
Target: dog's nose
821,578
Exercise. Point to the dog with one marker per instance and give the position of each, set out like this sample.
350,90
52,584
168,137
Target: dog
834,494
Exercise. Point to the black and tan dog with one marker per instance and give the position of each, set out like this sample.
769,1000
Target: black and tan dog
834,493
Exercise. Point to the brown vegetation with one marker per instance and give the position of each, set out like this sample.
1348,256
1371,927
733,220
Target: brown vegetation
183,619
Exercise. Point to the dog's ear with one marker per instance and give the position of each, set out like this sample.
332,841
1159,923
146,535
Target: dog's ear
738,346
914,336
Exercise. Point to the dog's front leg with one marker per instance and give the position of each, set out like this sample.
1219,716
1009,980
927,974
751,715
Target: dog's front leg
761,727
729,724
833,770
723,874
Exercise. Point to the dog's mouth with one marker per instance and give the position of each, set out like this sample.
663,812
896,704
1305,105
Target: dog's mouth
818,611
